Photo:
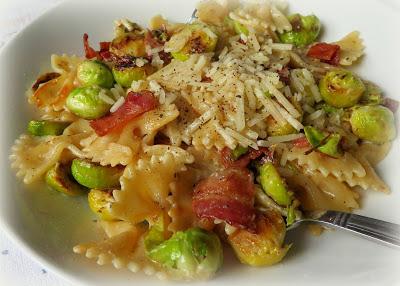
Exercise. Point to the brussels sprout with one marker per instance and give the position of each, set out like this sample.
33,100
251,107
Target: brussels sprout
199,38
95,73
327,144
125,76
131,44
341,88
313,135
239,151
331,147
43,127
305,30
85,102
273,185
372,94
264,247
276,129
57,178
156,234
291,215
99,202
240,29
95,176
374,123
192,253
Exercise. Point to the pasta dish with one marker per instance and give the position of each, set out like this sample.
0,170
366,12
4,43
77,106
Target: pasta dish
223,130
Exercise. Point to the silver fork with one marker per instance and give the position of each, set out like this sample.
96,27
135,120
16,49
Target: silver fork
378,230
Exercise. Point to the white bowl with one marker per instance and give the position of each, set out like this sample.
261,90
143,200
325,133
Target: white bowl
46,225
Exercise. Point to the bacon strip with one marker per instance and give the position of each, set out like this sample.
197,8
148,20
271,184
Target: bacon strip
327,53
135,105
228,196
301,142
228,161
91,53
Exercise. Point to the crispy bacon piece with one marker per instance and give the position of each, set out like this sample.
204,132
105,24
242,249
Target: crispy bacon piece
228,161
327,53
44,78
284,75
91,53
135,105
301,143
227,195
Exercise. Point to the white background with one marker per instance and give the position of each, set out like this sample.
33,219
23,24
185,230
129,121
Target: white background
16,268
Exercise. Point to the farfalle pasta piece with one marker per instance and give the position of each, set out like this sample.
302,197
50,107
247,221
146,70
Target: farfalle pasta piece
180,209
121,147
351,48
371,180
145,184
65,63
34,156
343,168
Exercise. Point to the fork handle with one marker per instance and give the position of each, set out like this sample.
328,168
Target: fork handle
383,231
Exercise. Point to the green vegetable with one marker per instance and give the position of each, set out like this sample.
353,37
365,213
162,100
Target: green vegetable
273,185
331,147
199,38
276,129
95,73
86,103
240,29
180,56
192,253
341,88
305,30
95,176
264,246
99,202
125,76
327,144
43,127
156,234
372,94
57,178
129,41
291,215
313,135
374,123
239,151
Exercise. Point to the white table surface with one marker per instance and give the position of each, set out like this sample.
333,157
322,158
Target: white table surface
17,268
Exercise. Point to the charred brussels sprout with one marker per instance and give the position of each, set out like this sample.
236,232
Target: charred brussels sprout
85,102
276,129
192,253
95,73
305,30
99,202
129,43
264,246
125,76
273,185
58,179
341,88
192,39
44,128
373,123
95,176
328,144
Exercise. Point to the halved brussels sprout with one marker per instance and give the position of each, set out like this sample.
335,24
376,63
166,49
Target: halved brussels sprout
373,123
341,88
265,246
44,128
239,151
95,176
99,202
94,73
124,76
327,144
57,178
192,39
85,102
276,129
131,44
273,185
192,253
305,30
